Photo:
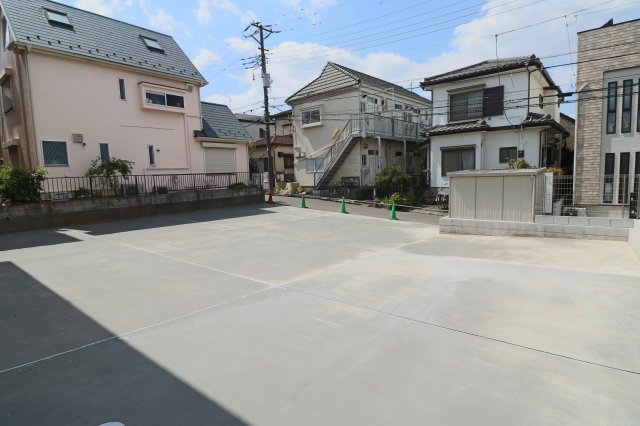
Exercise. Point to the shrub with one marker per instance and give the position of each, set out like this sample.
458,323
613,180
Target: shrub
237,187
21,186
555,170
390,180
110,168
520,163
399,199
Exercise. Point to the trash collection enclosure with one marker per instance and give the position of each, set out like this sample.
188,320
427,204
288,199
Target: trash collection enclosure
505,195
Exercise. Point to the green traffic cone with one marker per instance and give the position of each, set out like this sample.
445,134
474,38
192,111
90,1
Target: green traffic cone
343,208
303,204
393,212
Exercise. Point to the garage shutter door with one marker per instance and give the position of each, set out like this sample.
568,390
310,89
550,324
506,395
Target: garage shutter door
220,160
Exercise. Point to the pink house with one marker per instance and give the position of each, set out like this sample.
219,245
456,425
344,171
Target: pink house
77,86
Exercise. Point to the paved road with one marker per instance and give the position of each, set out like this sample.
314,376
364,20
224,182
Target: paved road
283,316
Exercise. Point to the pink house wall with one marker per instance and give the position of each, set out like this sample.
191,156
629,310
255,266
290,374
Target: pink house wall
76,96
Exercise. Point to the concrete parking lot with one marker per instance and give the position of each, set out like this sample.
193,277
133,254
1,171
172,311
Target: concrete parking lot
282,316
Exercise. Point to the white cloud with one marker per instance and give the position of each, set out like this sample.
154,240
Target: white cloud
102,7
242,45
205,57
163,22
292,64
204,14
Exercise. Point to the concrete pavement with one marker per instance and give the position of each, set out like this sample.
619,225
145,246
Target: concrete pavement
283,316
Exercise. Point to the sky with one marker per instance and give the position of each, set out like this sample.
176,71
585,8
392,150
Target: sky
399,41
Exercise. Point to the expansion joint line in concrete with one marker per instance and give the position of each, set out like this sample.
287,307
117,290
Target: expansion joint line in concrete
137,330
468,333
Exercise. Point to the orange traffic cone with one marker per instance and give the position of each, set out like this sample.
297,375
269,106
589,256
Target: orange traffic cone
270,200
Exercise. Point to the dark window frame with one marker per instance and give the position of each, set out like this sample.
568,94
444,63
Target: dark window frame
459,150
123,89
288,161
627,104
50,144
612,107
503,158
164,99
104,158
152,44
487,102
152,155
58,19
609,170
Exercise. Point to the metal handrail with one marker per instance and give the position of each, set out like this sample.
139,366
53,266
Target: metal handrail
332,154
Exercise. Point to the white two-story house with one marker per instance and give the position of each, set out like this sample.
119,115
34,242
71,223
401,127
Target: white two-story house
493,111
348,126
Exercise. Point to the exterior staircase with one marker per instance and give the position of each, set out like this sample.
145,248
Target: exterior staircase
358,127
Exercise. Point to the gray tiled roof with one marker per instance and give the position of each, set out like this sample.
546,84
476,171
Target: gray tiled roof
469,126
219,122
336,77
482,68
98,37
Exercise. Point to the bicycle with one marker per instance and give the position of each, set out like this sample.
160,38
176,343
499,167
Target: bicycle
442,198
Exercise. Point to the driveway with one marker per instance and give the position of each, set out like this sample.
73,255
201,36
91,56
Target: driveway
283,316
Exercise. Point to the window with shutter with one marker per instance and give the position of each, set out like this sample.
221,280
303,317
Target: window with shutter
493,101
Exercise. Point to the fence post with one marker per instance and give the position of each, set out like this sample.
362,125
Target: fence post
91,186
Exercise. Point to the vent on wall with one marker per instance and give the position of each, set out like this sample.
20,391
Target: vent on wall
189,87
77,137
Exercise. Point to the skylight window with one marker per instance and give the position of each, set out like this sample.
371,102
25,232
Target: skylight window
152,44
58,18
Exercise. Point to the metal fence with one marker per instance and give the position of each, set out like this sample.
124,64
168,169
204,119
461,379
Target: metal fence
70,188
607,196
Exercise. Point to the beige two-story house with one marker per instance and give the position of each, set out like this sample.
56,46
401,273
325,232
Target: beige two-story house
491,112
348,126
77,86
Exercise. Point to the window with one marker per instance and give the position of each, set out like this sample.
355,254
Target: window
55,153
609,161
364,160
627,91
310,116
288,161
58,18
612,103
314,164
398,153
465,106
456,159
506,154
7,96
104,153
152,44
123,92
476,104
157,98
152,155
623,178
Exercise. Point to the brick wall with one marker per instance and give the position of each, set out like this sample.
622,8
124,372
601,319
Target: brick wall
618,40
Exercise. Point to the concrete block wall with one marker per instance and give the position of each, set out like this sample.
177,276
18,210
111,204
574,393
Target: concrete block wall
89,210
619,42
523,229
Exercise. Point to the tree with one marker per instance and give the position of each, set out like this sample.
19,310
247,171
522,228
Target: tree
110,168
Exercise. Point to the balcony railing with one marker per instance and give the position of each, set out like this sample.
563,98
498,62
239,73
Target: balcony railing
387,125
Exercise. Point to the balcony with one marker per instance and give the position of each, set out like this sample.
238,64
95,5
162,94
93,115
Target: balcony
386,125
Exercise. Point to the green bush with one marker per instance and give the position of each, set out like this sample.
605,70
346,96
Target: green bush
237,187
399,199
21,186
392,179
520,163
110,168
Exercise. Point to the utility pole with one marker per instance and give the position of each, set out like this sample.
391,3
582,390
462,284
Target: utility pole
266,84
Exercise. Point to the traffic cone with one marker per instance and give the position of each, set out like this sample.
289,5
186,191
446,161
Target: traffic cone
343,207
393,212
303,204
270,200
